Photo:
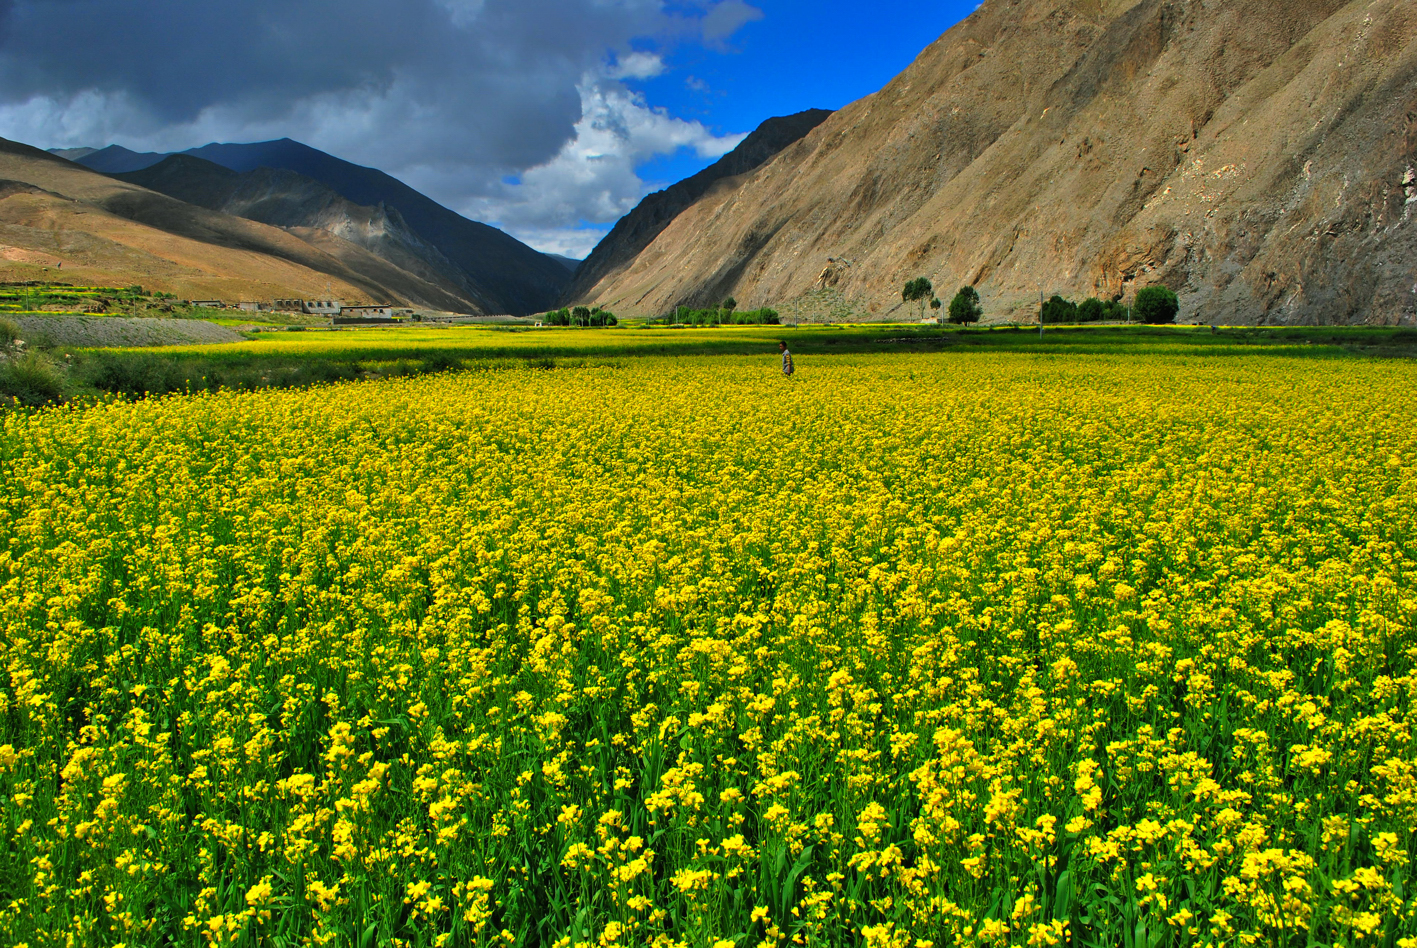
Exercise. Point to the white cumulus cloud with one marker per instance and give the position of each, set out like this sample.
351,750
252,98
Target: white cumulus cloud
593,177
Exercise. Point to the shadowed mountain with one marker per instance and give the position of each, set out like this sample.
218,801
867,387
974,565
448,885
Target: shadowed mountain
489,266
77,224
516,278
115,159
308,208
638,229
1256,156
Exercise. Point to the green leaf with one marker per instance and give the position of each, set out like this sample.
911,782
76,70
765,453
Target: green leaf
789,886
1063,897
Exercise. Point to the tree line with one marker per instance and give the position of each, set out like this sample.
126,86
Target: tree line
581,316
1155,305
726,313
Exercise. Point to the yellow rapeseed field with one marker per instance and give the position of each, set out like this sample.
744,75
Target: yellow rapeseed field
904,652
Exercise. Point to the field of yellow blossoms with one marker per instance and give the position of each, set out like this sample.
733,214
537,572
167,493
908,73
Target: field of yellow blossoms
907,651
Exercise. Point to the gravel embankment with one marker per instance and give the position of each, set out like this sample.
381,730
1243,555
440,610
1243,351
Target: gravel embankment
118,331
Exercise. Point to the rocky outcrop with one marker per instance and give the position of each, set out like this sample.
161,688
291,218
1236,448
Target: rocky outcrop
1256,156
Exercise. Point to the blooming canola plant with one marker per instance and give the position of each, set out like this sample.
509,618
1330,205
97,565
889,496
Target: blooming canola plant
913,651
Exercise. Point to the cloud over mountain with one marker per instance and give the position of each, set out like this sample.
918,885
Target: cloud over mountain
452,95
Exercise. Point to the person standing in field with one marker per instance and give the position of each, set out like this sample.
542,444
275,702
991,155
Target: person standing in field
786,359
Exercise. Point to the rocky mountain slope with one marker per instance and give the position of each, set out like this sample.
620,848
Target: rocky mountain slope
85,227
638,229
314,212
1257,156
502,273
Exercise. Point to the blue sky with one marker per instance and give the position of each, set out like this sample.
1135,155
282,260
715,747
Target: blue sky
800,55
548,118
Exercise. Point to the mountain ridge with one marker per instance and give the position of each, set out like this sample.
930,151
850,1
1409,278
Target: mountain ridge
303,206
491,267
512,276
60,216
638,229
1249,154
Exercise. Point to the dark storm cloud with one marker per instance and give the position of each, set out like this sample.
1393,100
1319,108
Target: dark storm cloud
457,97
500,74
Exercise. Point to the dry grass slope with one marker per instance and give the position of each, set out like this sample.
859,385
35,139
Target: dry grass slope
55,213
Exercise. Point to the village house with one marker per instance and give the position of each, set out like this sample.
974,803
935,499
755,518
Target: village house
368,312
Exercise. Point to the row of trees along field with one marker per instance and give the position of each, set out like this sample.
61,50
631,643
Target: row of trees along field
963,310
726,314
1156,305
581,316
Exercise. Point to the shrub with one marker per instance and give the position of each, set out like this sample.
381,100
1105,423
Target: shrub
134,375
9,332
441,362
1156,305
31,379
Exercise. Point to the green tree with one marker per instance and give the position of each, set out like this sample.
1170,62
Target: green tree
730,304
965,308
1058,310
918,290
1156,305
1091,310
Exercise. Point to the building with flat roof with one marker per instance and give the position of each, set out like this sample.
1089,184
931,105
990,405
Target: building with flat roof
368,312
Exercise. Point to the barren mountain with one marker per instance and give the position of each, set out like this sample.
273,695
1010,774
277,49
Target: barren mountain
638,229
86,227
494,269
315,212
513,277
1257,156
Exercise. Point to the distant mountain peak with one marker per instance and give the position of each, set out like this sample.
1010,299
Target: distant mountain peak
72,154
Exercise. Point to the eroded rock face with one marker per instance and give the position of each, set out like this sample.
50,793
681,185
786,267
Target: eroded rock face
1257,156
